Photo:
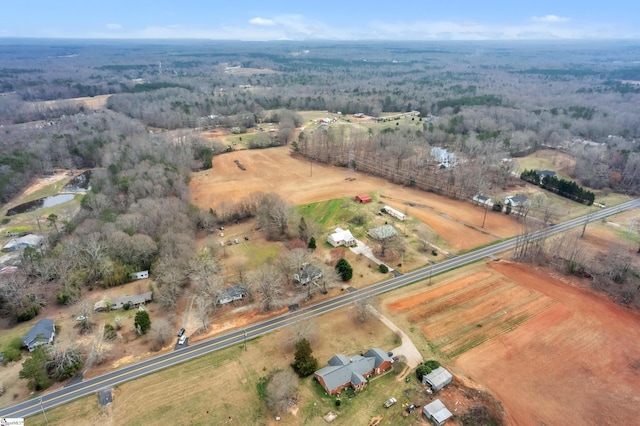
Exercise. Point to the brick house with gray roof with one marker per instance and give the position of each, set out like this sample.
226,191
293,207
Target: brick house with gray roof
352,371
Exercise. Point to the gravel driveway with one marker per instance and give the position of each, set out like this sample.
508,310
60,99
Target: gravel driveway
407,348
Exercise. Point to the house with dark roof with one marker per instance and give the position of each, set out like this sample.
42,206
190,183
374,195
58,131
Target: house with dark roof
343,372
544,173
308,273
516,200
231,294
42,333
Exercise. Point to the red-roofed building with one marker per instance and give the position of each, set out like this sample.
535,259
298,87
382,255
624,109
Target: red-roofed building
363,198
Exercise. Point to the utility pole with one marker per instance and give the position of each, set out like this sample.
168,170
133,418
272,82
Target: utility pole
245,339
43,412
485,214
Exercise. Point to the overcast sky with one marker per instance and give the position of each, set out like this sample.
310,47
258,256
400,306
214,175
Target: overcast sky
322,19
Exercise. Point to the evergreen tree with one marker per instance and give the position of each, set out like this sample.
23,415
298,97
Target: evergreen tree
344,269
142,322
304,363
312,243
35,371
302,230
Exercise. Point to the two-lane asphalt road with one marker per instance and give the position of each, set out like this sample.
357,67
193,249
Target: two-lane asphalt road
160,362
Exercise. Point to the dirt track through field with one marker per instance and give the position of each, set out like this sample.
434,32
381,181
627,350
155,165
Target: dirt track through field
300,182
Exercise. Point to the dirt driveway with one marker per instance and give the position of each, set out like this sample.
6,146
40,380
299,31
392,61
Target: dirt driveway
407,348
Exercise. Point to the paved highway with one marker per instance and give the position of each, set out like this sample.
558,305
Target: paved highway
239,337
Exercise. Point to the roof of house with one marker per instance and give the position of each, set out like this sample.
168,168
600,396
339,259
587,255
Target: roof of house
363,197
233,291
135,299
342,369
44,327
379,355
383,232
337,375
543,173
518,198
342,235
481,198
437,411
438,377
308,273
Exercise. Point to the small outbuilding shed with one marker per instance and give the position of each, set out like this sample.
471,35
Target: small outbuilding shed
363,198
437,412
437,379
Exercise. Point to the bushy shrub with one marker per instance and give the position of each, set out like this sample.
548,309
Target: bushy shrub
11,354
383,268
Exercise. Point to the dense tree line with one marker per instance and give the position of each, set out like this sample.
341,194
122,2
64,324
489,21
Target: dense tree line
563,187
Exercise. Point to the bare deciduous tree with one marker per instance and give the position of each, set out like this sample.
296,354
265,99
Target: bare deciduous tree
64,361
282,391
98,350
307,329
273,216
160,333
361,309
267,284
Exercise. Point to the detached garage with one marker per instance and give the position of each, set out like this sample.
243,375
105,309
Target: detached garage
437,412
437,379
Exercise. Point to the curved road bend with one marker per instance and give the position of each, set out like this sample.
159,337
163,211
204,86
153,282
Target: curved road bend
69,393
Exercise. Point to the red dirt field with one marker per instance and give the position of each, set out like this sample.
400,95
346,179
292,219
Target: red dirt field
299,182
577,362
551,352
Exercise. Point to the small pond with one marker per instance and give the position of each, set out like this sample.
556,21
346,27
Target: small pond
40,203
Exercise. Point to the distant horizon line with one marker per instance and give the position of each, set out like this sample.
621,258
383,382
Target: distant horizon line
202,39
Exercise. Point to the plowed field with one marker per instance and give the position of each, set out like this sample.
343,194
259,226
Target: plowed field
551,352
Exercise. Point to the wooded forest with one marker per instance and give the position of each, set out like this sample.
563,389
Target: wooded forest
484,102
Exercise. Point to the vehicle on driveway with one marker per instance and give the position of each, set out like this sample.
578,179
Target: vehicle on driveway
390,402
182,340
181,332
